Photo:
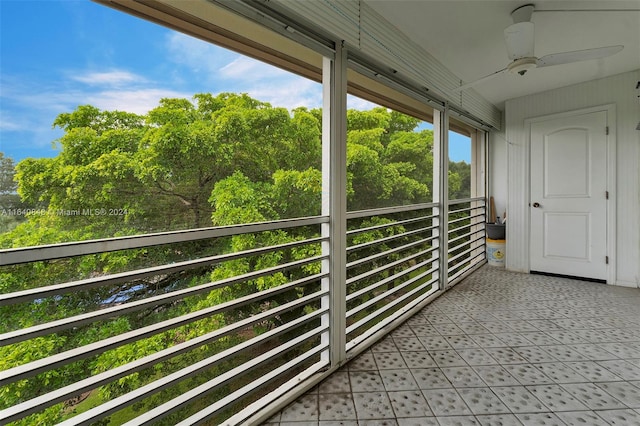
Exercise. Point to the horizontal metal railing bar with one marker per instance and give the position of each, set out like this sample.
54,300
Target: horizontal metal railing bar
390,238
127,399
389,225
210,410
475,219
470,241
466,200
36,404
478,236
390,265
80,248
391,318
387,293
77,320
250,410
389,279
392,304
244,391
465,218
80,285
471,223
469,264
456,257
470,207
468,234
388,252
466,209
32,368
452,270
389,210
465,273
473,263
458,229
458,265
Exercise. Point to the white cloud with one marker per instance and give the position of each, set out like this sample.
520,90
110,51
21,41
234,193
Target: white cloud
222,70
354,102
28,129
297,91
138,101
249,69
197,55
123,90
12,123
109,78
227,71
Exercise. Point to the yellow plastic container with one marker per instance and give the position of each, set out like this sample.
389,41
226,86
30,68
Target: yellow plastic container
496,252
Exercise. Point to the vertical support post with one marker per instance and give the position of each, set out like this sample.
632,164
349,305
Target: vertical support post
441,188
334,203
478,184
478,163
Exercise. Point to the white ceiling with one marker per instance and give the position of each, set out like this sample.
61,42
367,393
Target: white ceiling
467,37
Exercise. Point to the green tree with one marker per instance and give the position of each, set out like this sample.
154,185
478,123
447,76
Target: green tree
8,185
388,162
460,180
11,207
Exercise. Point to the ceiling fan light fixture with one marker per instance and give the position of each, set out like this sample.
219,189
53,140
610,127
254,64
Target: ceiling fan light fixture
519,38
522,65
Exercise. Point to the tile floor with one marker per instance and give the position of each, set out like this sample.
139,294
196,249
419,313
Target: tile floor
500,348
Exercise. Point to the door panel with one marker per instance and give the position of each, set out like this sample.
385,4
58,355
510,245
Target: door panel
566,236
568,195
566,164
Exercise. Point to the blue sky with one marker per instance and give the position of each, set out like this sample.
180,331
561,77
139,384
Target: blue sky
58,54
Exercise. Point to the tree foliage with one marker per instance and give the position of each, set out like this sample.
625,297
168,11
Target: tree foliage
10,203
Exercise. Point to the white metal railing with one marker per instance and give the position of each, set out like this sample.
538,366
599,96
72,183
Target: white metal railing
231,351
392,266
466,242
247,350
81,248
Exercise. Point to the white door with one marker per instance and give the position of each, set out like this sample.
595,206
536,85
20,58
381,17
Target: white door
569,195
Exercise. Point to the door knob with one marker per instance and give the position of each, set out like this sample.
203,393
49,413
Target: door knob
536,205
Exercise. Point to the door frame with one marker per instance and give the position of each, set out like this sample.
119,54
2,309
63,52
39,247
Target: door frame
611,238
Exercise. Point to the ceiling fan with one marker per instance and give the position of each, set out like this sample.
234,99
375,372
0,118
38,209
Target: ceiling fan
519,38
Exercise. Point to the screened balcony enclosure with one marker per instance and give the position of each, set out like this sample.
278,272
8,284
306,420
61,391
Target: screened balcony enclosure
327,263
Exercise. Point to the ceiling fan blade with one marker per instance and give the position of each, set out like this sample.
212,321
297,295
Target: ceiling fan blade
519,39
578,56
478,81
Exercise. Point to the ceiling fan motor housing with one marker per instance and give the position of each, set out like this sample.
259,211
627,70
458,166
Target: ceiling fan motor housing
522,65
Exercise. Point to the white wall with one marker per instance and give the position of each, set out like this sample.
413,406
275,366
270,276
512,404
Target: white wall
510,165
